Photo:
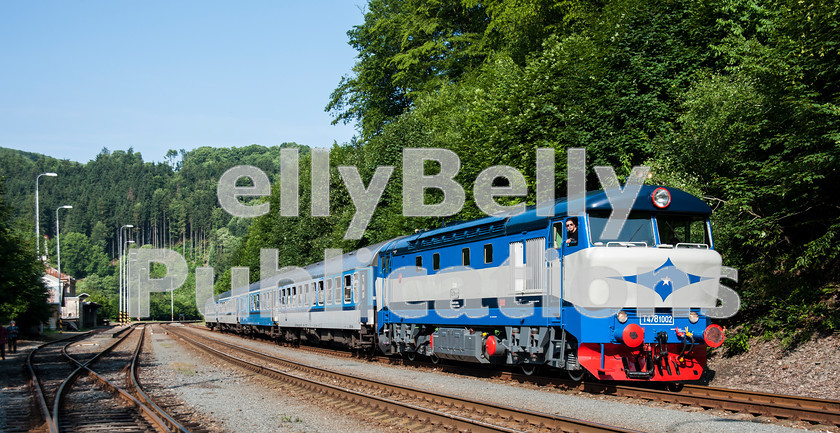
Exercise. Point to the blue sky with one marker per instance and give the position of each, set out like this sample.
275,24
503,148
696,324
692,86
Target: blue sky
79,76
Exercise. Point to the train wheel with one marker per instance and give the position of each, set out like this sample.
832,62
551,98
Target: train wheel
528,369
434,359
577,376
410,355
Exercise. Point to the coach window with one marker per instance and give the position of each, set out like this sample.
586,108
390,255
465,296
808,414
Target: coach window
418,261
347,288
337,288
356,286
465,256
329,299
488,253
436,261
321,292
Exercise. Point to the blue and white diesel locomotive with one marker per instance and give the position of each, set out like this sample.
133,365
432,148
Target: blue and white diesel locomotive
515,289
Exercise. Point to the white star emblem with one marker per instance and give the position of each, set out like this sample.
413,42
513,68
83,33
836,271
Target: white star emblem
666,281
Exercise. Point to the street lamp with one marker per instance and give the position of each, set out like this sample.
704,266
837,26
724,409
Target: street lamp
122,273
58,255
127,272
38,214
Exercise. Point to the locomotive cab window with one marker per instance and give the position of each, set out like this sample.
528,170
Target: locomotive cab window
683,229
568,230
637,229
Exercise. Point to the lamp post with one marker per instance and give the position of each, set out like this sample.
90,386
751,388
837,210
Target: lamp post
122,273
38,214
127,279
58,255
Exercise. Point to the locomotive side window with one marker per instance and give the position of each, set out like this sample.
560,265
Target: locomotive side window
682,229
436,261
488,253
637,228
465,256
517,262
418,261
347,288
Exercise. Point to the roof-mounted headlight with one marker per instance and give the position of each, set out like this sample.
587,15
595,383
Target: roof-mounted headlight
661,198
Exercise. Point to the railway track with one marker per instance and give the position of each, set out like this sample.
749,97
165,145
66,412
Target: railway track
74,397
389,403
811,410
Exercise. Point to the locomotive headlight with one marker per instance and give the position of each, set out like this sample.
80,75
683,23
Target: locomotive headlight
693,317
661,198
621,316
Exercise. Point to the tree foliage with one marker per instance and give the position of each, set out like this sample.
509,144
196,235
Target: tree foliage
23,296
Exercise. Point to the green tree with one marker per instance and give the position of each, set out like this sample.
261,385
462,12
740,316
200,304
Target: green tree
79,257
406,48
23,295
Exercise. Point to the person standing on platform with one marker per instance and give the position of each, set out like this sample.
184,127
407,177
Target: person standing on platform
3,341
12,336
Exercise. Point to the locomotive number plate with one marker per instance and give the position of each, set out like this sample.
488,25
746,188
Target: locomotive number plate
657,319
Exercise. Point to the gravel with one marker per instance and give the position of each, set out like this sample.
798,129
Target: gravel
810,370
602,409
238,400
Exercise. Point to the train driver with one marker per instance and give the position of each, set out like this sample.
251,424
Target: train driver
571,232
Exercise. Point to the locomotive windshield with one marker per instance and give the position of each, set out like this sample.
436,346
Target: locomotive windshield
682,229
637,228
